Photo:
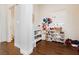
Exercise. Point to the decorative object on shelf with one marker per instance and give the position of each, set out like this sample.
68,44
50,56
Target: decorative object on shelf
49,20
46,22
44,26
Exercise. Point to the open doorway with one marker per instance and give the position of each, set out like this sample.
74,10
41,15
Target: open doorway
11,23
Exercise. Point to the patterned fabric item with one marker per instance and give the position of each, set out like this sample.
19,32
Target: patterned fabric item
68,42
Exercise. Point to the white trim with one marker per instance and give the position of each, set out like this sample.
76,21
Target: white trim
26,52
9,40
16,45
6,41
3,40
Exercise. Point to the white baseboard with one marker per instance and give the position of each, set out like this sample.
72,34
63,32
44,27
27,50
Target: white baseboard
3,41
16,45
9,40
26,52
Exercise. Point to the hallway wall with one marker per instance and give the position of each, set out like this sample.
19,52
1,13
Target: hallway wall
3,23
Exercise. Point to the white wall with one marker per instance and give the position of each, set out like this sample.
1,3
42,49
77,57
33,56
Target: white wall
18,24
72,22
23,32
9,23
36,13
3,24
69,13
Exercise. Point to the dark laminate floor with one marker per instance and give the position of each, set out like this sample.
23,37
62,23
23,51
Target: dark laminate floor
53,48
8,49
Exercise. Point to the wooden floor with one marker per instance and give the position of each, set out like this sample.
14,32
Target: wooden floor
53,48
42,48
8,49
